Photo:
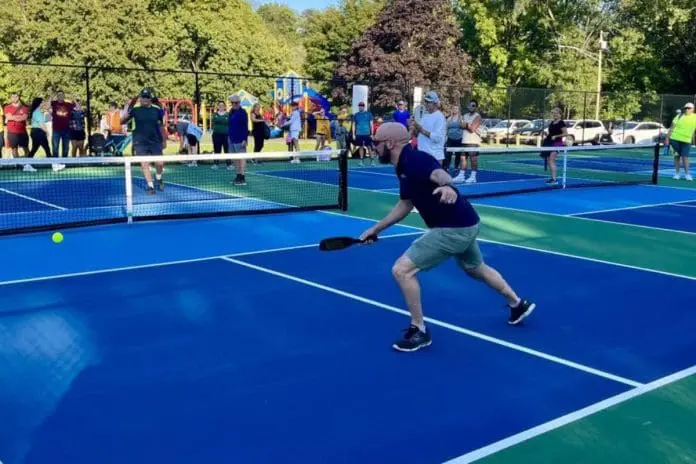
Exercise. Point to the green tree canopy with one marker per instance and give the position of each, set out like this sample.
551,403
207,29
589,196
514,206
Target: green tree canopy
400,51
190,35
329,34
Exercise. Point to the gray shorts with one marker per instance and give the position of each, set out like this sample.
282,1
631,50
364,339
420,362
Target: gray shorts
237,148
440,244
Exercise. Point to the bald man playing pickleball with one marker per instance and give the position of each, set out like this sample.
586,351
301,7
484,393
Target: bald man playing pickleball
453,228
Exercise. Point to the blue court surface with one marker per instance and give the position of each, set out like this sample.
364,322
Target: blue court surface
641,205
383,179
237,340
46,201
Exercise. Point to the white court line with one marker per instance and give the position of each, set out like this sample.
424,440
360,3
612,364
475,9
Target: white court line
542,250
583,218
571,417
36,200
446,325
361,171
670,187
650,205
684,206
182,261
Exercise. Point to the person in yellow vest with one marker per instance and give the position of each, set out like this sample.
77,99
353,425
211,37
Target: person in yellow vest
323,132
680,138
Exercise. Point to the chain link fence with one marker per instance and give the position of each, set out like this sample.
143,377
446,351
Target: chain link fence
182,94
512,115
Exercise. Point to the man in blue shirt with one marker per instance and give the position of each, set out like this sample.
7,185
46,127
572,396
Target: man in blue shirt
401,115
453,227
238,133
362,130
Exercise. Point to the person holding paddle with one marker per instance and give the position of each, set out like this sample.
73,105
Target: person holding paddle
453,228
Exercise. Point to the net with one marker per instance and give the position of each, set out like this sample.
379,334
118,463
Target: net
42,194
505,171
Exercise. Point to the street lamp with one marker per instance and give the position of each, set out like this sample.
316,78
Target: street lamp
603,45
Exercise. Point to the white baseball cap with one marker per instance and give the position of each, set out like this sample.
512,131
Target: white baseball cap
689,105
432,97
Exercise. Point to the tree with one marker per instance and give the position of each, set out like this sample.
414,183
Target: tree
280,19
225,37
398,51
329,34
193,36
285,24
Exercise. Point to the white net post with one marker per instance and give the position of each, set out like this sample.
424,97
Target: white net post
565,166
129,191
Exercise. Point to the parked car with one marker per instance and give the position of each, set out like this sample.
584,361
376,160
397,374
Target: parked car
638,132
486,124
506,128
585,131
538,128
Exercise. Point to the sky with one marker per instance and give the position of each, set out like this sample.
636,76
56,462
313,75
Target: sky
301,5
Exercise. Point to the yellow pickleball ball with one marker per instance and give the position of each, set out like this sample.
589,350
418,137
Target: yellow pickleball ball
57,237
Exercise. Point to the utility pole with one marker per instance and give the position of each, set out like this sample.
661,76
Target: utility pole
602,47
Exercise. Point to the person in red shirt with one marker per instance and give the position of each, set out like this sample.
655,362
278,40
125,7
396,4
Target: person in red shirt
16,115
62,115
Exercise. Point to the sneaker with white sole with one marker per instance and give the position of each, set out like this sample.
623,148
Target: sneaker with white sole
29,168
676,177
689,178
520,312
413,339
460,178
471,180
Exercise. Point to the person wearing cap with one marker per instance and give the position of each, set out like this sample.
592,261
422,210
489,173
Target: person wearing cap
149,136
238,133
680,137
363,129
294,124
401,115
453,229
431,129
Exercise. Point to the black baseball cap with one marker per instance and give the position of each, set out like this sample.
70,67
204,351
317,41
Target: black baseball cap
147,93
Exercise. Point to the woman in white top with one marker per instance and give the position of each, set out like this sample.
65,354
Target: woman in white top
431,130
471,122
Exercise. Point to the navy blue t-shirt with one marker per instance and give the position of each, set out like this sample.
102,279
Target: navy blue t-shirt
414,169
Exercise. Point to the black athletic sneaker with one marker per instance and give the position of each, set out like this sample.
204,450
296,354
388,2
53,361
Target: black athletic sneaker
150,190
520,312
239,180
552,182
160,185
413,340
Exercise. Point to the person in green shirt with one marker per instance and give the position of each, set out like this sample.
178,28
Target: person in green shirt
220,140
680,137
149,136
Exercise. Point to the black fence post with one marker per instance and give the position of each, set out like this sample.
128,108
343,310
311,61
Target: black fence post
88,98
656,164
197,99
343,180
509,116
